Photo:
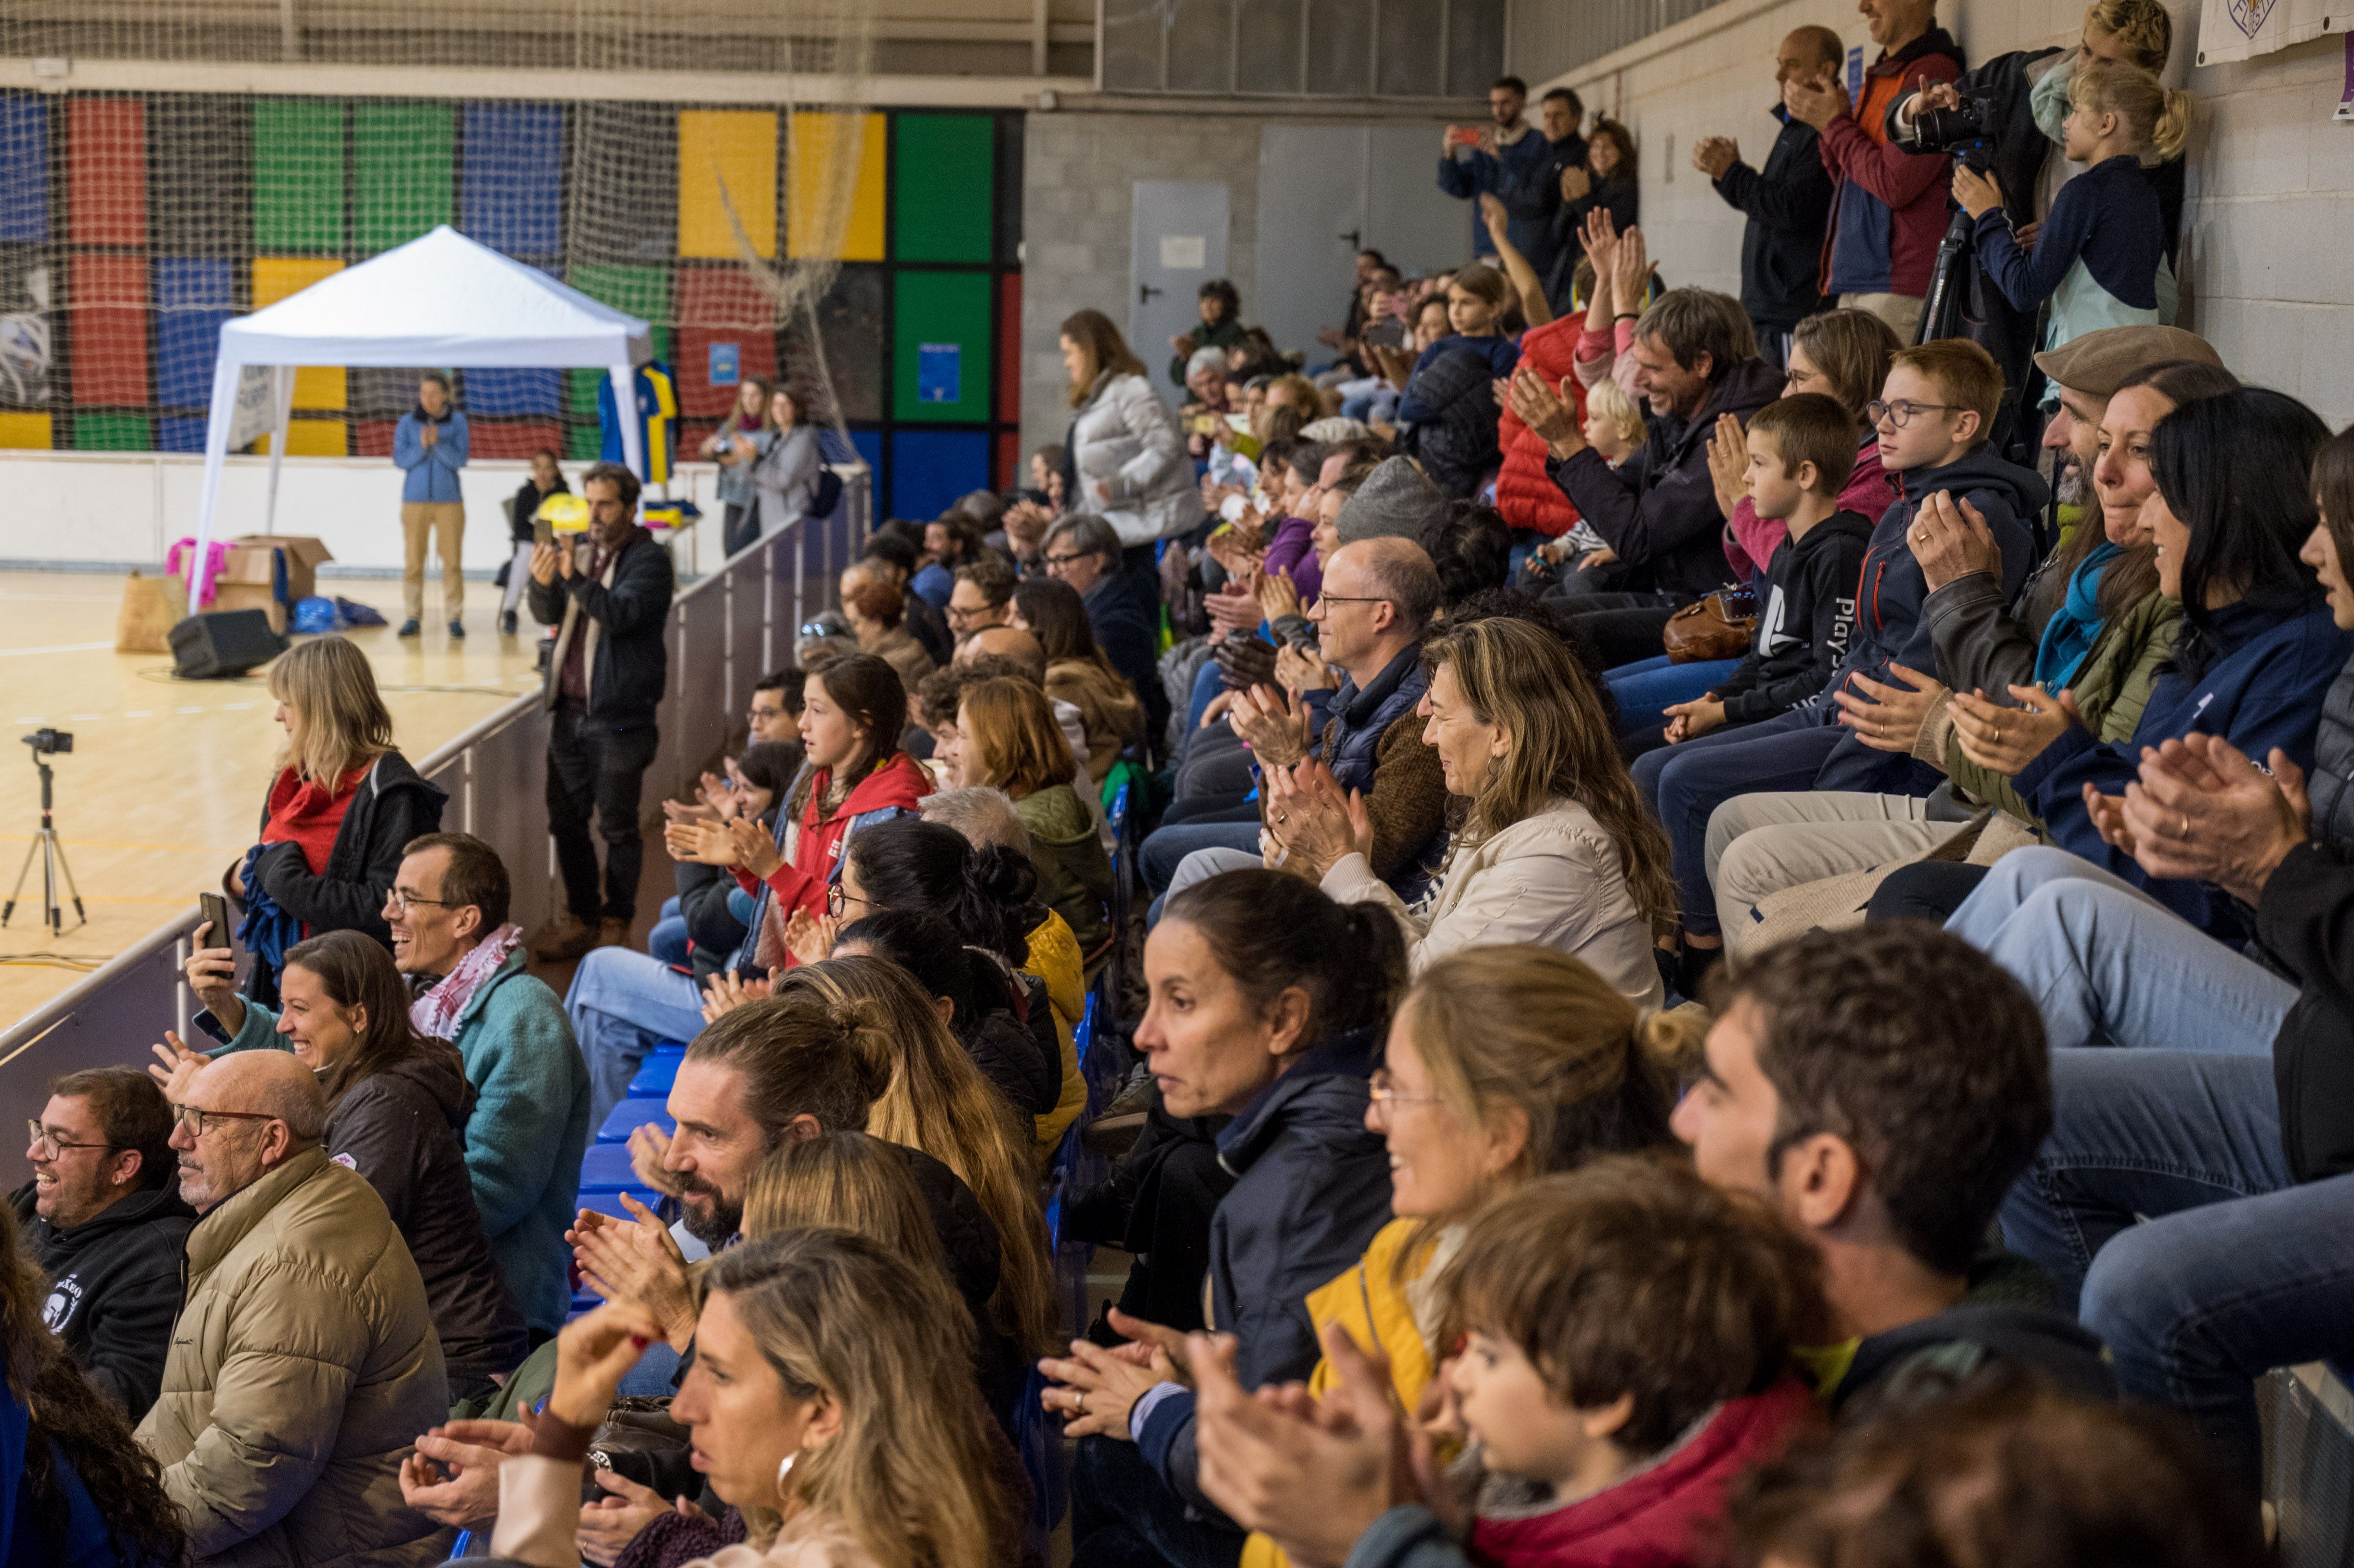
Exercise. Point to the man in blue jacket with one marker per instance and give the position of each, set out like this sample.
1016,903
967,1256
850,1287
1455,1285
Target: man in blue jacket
450,936
1788,203
428,446
1508,157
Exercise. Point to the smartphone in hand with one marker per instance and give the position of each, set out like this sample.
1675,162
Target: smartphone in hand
214,908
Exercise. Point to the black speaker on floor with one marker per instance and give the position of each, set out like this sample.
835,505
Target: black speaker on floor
218,644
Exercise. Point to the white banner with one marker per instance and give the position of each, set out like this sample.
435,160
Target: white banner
256,407
2241,29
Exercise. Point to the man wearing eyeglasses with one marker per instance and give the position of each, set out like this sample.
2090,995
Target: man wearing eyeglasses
983,597
1123,604
304,1363
103,1218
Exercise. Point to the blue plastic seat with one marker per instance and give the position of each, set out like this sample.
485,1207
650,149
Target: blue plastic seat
632,1114
605,1168
657,1072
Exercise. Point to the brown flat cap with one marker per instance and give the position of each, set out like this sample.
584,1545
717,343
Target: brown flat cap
2098,362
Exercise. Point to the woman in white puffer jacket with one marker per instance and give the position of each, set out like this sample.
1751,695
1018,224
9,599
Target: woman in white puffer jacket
1126,447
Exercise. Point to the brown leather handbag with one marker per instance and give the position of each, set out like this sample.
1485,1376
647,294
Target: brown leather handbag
1702,631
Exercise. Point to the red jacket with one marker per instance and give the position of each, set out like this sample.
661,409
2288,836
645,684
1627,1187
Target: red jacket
1660,1516
898,786
1526,498
1750,540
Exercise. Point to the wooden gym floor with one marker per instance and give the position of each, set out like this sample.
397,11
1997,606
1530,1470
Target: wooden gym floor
165,786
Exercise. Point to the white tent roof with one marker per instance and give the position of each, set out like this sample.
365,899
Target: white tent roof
442,299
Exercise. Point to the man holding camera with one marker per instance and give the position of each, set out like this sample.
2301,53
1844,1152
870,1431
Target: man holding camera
608,593
1888,212
1502,157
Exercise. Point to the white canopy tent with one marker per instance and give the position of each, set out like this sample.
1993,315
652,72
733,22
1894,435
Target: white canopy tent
440,300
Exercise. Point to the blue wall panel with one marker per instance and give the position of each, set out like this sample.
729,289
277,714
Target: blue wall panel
511,193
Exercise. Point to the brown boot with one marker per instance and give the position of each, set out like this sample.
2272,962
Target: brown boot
613,932
564,936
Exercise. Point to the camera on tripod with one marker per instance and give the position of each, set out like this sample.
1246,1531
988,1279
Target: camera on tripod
1960,130
50,742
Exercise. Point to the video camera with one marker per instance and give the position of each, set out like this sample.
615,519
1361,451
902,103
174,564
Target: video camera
50,742
1961,131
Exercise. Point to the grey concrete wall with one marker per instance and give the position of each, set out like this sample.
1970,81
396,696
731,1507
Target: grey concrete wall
2268,234
1078,170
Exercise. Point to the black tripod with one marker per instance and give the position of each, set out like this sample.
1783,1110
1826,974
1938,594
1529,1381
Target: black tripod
54,869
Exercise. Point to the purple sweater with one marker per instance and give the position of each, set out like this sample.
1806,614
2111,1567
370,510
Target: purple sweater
1288,551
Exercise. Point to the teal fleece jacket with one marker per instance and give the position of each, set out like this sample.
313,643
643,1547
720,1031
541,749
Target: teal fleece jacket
529,1132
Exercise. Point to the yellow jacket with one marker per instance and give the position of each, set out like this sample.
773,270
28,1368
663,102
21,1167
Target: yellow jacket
1369,1301
1055,959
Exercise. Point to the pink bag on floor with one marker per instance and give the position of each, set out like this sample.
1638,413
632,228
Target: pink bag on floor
215,557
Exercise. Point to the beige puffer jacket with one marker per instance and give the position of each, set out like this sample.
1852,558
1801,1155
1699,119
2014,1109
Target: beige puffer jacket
302,1369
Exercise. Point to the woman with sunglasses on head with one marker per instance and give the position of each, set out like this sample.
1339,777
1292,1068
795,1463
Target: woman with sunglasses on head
398,1106
1267,1000
816,1409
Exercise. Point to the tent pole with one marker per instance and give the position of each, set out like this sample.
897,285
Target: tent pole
226,371
625,405
279,432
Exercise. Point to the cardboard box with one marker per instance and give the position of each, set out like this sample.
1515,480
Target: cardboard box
270,572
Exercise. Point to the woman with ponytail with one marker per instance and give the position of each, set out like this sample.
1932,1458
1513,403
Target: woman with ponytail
937,1101
817,1410
853,711
982,1002
1269,1000
2101,256
1504,1065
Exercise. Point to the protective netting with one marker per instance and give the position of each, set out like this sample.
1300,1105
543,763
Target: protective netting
760,226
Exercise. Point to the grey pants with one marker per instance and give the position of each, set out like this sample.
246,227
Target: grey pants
1760,844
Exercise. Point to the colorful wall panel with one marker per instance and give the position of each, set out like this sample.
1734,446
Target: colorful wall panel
133,225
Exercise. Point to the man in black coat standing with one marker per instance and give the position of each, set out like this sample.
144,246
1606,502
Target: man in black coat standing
103,1218
608,593
1788,203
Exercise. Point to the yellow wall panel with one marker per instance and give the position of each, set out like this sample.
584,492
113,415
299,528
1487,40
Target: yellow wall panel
737,147
25,431
836,166
310,438
274,278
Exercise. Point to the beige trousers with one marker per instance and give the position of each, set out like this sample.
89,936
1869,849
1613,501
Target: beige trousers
444,522
1759,845
1902,312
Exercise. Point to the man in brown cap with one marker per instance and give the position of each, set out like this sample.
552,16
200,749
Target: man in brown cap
1761,844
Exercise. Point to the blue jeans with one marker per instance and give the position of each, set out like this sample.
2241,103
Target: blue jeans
1684,784
2108,965
1165,848
1647,688
1208,681
668,939
621,1003
2232,1270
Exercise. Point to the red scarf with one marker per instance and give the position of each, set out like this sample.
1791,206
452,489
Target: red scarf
307,814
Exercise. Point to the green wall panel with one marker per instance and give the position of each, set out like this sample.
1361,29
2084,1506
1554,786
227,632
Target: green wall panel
644,293
942,171
933,312
113,433
298,174
402,172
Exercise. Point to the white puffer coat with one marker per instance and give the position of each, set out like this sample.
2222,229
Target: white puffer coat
1130,458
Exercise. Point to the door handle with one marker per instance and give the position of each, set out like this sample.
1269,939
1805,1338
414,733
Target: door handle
1144,292
1353,235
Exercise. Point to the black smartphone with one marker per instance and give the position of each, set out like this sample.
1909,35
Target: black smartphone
213,908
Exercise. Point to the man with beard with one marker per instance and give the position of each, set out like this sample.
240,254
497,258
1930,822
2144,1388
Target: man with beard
766,1072
103,1218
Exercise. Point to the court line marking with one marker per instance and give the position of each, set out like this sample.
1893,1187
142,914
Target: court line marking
55,648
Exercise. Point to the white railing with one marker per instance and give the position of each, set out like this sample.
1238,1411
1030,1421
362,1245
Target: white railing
724,630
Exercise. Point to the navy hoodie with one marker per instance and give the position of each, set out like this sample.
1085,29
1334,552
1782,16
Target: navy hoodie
1890,628
1805,622
1311,1187
2261,686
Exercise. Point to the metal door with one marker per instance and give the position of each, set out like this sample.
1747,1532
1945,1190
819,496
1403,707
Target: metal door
1312,221
1176,242
1327,192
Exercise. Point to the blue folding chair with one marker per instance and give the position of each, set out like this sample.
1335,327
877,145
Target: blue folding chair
658,1071
632,1114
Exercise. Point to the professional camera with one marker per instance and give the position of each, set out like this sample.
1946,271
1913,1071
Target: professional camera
50,742
1961,131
